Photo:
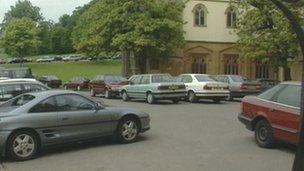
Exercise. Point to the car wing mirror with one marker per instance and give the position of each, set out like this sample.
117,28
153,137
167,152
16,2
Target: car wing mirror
100,105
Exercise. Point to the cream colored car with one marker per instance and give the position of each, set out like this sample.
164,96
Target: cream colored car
202,86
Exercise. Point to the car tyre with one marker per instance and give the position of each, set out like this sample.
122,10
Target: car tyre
128,130
107,94
264,134
192,97
92,92
22,145
175,101
125,96
150,98
217,100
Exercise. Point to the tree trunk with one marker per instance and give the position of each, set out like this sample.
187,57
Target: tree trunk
287,73
126,63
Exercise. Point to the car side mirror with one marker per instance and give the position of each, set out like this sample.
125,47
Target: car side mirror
99,106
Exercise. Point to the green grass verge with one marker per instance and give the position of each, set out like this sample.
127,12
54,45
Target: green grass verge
66,71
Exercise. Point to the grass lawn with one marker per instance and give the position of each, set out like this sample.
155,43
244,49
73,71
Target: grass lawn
67,70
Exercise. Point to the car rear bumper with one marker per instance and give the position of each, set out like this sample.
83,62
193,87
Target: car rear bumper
169,95
246,121
212,95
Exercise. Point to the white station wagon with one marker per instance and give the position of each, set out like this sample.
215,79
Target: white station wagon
202,86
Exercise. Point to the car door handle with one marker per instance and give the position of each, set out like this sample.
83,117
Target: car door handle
65,119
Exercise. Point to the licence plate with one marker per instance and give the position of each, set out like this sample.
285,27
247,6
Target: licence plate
173,87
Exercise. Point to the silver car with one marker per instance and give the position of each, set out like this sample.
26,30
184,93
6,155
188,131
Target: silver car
33,121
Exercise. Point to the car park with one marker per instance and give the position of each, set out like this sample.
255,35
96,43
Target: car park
239,86
267,83
109,85
51,81
11,88
56,117
77,83
153,87
273,115
202,86
45,59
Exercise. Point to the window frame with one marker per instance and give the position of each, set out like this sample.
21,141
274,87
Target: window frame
201,9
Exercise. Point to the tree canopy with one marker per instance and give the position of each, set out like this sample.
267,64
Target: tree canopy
21,38
148,28
265,34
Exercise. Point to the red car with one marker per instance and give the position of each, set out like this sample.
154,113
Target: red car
77,83
273,115
109,85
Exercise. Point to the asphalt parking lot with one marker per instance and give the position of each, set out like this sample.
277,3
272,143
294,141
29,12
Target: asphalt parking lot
192,137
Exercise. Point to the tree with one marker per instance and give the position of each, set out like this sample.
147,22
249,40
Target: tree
147,29
61,42
23,8
265,34
45,30
21,38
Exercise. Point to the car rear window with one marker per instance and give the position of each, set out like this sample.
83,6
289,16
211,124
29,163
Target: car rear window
204,78
19,101
114,79
239,79
162,78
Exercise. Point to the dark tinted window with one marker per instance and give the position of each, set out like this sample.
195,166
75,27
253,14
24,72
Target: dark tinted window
203,78
9,91
73,103
269,94
47,105
291,95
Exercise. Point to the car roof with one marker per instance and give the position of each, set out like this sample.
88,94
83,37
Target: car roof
18,80
51,93
298,83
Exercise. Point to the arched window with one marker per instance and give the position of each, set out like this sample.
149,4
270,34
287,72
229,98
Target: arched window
200,15
231,14
199,65
262,69
231,64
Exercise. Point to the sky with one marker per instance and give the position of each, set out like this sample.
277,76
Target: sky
51,9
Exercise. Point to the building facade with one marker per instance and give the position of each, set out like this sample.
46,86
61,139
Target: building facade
211,45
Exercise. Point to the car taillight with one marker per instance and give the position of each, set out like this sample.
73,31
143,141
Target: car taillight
162,88
242,86
206,87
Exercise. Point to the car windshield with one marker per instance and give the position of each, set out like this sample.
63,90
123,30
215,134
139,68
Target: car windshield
114,79
162,78
204,78
239,79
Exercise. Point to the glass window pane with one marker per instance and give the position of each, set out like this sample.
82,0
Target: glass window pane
47,105
73,103
269,94
291,96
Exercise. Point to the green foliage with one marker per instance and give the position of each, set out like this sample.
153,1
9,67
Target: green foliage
148,28
23,8
265,34
61,42
21,38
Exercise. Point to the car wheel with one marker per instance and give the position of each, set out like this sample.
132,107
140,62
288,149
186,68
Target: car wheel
128,130
22,145
264,134
229,98
150,98
92,92
175,101
107,94
125,96
192,97
78,88
217,100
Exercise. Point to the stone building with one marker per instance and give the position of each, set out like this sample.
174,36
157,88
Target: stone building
210,45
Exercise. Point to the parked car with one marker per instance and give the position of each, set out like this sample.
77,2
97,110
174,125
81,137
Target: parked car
239,86
51,81
202,86
55,117
77,83
273,115
45,59
16,73
109,85
267,83
153,87
11,88
18,60
2,61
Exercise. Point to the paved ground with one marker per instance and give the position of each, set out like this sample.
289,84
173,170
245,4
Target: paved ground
192,137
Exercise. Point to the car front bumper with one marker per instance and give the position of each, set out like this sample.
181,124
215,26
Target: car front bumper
145,124
3,138
246,121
